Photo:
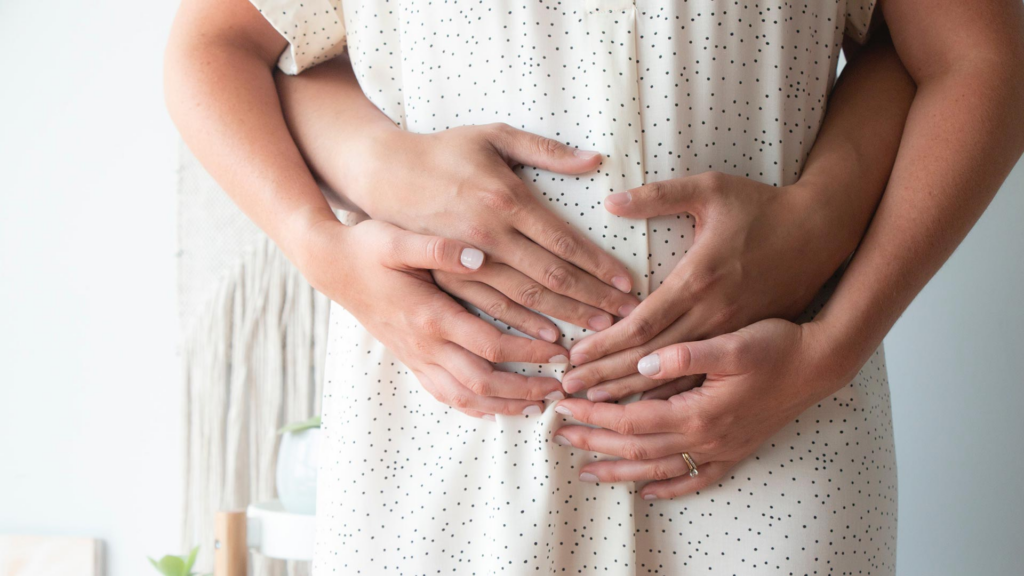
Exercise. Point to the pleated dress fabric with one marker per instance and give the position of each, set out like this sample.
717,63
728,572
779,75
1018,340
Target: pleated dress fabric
663,89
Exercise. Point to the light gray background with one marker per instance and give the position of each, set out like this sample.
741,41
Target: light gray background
89,397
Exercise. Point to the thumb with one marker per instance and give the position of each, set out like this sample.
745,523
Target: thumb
674,196
718,355
519,147
423,252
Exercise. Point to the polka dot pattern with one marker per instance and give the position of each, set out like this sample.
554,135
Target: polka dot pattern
663,90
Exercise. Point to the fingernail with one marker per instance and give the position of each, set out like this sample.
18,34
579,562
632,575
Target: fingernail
488,417
598,396
578,359
619,198
599,323
622,283
472,258
548,334
649,365
585,154
588,477
563,410
561,440
560,359
531,410
650,497
626,310
555,395
571,385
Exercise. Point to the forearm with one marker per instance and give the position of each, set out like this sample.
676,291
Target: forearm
221,94
962,137
847,169
332,120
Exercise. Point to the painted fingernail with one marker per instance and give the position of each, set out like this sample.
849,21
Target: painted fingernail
531,410
650,497
488,417
555,395
598,396
563,410
571,386
548,334
619,198
585,154
649,365
578,358
588,477
472,258
622,283
625,310
561,440
599,323
560,359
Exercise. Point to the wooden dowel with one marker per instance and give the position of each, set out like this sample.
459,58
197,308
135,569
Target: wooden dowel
230,550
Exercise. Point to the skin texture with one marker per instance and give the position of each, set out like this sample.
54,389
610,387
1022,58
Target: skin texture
963,134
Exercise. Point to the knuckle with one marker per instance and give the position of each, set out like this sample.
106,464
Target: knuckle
660,471
726,316
701,282
733,348
499,199
436,248
479,236
530,294
640,329
459,401
497,309
633,450
490,351
547,146
565,245
558,277
624,425
713,181
479,386
656,192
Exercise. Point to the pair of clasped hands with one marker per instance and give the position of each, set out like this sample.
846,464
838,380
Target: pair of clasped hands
473,230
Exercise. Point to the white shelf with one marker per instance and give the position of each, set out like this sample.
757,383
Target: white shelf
275,533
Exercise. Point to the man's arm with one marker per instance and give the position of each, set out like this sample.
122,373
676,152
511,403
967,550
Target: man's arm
964,133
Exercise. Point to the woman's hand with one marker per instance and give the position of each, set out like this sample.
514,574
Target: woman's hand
758,253
459,183
380,274
759,379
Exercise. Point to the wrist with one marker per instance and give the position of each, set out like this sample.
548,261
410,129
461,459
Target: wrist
824,220
303,233
360,162
836,352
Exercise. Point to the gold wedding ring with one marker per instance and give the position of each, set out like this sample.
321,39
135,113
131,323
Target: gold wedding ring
690,464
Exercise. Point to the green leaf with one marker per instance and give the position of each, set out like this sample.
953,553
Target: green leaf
191,560
170,565
313,422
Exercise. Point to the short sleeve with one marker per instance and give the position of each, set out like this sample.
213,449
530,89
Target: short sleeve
858,19
314,29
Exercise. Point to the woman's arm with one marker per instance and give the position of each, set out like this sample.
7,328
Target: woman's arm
964,134
221,94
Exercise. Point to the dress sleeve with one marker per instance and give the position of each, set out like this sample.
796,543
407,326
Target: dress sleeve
858,19
314,29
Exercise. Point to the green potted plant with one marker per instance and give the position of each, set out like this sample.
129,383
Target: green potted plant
176,565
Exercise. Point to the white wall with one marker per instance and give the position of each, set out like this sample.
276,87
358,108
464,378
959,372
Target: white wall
89,395
90,407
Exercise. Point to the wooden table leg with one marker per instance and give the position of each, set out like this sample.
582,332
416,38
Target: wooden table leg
230,550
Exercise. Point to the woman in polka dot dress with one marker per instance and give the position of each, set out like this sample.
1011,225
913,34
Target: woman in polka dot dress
631,200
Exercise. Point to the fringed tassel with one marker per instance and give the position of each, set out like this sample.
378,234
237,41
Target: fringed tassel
253,361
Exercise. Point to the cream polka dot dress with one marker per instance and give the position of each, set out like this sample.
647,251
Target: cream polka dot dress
663,89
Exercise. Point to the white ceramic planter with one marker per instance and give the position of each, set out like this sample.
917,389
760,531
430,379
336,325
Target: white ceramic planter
296,470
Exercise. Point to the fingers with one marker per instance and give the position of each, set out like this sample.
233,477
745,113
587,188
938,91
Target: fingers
481,378
519,147
544,227
498,306
643,417
533,295
719,355
662,308
566,279
709,475
422,252
611,443
674,387
451,393
663,468
490,343
687,194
